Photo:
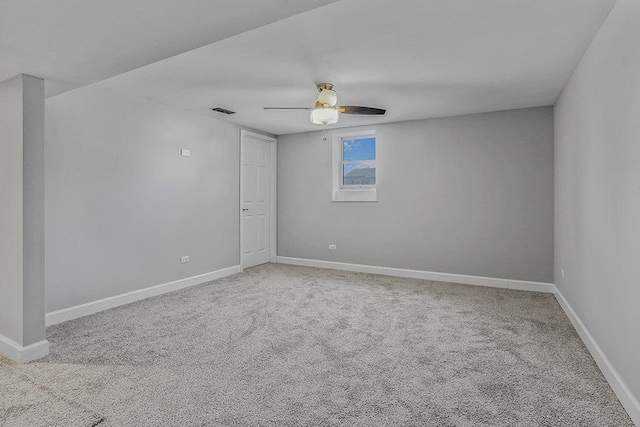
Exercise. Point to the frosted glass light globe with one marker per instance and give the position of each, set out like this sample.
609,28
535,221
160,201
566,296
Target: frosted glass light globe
328,97
324,116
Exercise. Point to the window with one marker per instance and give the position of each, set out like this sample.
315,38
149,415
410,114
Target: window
354,167
358,163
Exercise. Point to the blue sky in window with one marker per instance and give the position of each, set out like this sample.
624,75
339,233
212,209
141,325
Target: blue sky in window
359,149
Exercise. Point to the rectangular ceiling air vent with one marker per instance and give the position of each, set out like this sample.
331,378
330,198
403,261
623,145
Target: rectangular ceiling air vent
223,110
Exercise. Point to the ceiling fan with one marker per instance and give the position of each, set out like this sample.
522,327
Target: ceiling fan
326,111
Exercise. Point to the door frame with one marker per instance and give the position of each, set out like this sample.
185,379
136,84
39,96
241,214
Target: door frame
273,156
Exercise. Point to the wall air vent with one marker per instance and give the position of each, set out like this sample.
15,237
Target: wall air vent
223,110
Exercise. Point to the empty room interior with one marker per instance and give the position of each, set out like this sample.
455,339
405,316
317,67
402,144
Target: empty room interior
320,213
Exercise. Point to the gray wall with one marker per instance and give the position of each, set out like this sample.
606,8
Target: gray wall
597,153
122,204
467,195
22,209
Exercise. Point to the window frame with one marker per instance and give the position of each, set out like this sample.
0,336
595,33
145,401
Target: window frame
352,193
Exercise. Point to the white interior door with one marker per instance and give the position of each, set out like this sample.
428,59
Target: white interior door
255,215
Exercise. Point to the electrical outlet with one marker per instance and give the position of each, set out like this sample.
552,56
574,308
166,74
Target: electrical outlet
184,259
333,248
184,152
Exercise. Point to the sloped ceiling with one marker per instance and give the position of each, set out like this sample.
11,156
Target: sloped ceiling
71,43
416,58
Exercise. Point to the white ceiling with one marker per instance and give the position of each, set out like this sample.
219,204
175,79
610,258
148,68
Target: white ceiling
417,58
71,43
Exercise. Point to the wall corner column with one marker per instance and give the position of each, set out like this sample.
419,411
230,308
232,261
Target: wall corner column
22,302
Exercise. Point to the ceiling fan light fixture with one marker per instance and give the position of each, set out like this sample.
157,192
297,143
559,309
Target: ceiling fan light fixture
326,111
324,116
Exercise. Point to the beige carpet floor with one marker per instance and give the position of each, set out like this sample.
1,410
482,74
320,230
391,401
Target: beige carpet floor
27,402
292,346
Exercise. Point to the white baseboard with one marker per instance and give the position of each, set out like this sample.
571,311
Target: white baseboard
20,354
626,397
425,275
82,310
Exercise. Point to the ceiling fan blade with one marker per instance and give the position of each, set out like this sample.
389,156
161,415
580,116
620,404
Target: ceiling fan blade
367,111
287,108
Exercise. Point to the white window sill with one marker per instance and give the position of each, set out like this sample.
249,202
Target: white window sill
359,195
